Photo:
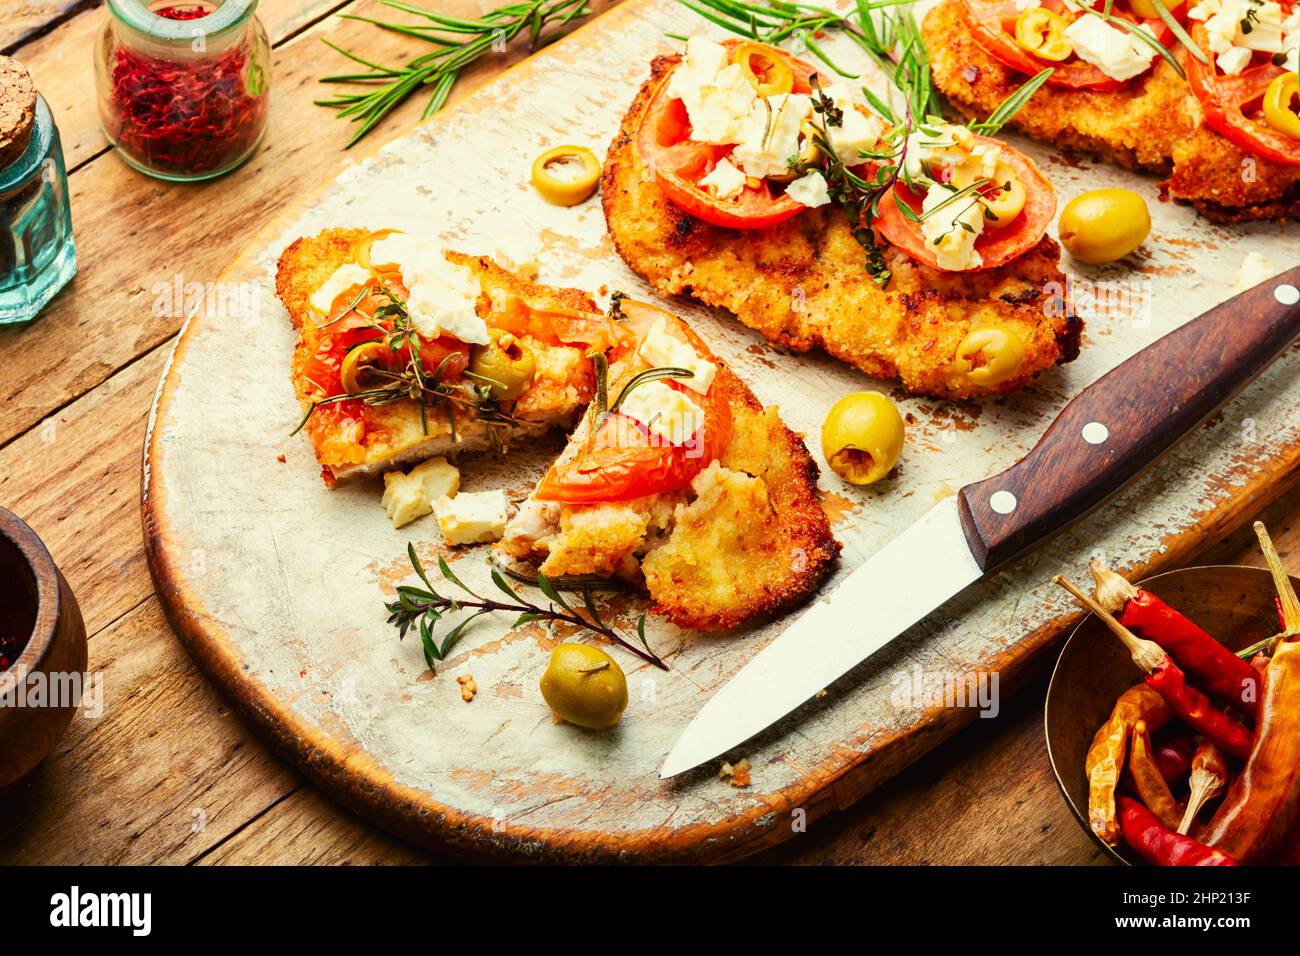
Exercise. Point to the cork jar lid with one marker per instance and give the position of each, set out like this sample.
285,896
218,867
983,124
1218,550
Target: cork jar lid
17,109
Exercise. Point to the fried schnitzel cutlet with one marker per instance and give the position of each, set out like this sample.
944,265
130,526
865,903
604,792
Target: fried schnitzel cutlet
1155,124
804,284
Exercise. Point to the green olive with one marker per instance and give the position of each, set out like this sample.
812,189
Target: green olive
862,437
1104,225
506,365
585,686
989,354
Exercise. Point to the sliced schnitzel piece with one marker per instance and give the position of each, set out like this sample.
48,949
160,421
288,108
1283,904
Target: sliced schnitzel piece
1153,123
361,320
689,488
803,281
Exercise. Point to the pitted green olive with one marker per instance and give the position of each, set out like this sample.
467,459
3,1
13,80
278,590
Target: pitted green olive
862,437
585,686
990,354
1103,225
506,365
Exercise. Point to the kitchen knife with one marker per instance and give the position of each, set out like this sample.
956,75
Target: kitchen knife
1106,435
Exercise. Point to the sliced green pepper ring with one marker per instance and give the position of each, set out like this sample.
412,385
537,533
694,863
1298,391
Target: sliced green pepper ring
566,175
352,375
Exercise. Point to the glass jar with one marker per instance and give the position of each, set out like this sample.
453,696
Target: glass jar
37,257
183,85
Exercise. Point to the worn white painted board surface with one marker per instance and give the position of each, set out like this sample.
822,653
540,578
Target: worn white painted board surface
289,577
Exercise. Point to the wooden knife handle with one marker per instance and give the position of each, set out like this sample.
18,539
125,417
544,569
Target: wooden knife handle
1127,418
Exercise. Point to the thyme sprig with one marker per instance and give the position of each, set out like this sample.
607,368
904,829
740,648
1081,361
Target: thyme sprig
411,380
459,41
423,609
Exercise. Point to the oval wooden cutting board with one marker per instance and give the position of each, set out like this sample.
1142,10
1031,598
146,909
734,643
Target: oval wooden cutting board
276,584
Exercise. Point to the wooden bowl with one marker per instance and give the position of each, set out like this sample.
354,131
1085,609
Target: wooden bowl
36,598
1233,603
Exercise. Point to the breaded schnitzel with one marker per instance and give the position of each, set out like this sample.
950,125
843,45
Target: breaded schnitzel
743,538
1154,124
804,284
351,438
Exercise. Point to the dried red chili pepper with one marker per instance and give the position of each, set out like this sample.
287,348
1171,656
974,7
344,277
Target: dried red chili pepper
1161,846
1149,782
186,116
1263,803
1207,662
1209,777
1106,755
1174,758
1167,678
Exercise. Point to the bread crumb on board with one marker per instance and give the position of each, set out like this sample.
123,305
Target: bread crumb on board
736,774
467,687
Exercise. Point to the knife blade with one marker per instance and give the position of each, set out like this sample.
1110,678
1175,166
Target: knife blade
1106,435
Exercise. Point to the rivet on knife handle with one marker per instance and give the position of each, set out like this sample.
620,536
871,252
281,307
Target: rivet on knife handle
1126,419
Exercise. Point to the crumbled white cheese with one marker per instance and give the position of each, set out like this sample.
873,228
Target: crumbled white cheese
809,190
663,350
442,298
344,278
664,411
722,108
1255,268
1250,24
857,131
472,518
700,64
1117,53
772,135
725,181
411,495
933,146
951,226
1234,59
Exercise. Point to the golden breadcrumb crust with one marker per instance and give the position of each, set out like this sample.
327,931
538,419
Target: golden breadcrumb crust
749,540
391,434
1154,124
803,284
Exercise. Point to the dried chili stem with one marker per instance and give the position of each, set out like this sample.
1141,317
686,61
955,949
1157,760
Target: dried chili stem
1148,655
1288,603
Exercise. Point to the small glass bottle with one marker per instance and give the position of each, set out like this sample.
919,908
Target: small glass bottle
37,257
183,85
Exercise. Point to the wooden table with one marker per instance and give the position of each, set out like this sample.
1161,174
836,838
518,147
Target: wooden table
168,774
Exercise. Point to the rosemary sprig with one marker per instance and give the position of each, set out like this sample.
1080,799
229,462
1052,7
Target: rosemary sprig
424,608
1012,104
460,42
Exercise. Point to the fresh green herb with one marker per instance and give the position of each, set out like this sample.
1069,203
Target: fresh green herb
460,42
1011,105
1178,31
424,609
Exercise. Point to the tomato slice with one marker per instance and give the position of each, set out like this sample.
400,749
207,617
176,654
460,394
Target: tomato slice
993,24
995,246
679,163
1232,104
621,459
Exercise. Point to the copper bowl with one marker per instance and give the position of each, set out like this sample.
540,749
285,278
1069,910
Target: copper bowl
1233,603
36,597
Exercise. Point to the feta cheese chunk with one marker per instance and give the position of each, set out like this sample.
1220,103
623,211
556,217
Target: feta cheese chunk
667,413
411,495
472,518
700,65
1115,52
344,278
771,137
1250,24
725,181
857,131
663,350
951,227
934,146
809,190
442,298
1234,59
721,113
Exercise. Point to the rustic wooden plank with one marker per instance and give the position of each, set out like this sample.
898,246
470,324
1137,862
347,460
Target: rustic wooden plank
22,20
134,232
78,472
165,773
68,84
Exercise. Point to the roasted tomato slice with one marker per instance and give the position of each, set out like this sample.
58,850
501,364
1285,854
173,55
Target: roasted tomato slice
993,24
1233,104
621,460
995,246
679,163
